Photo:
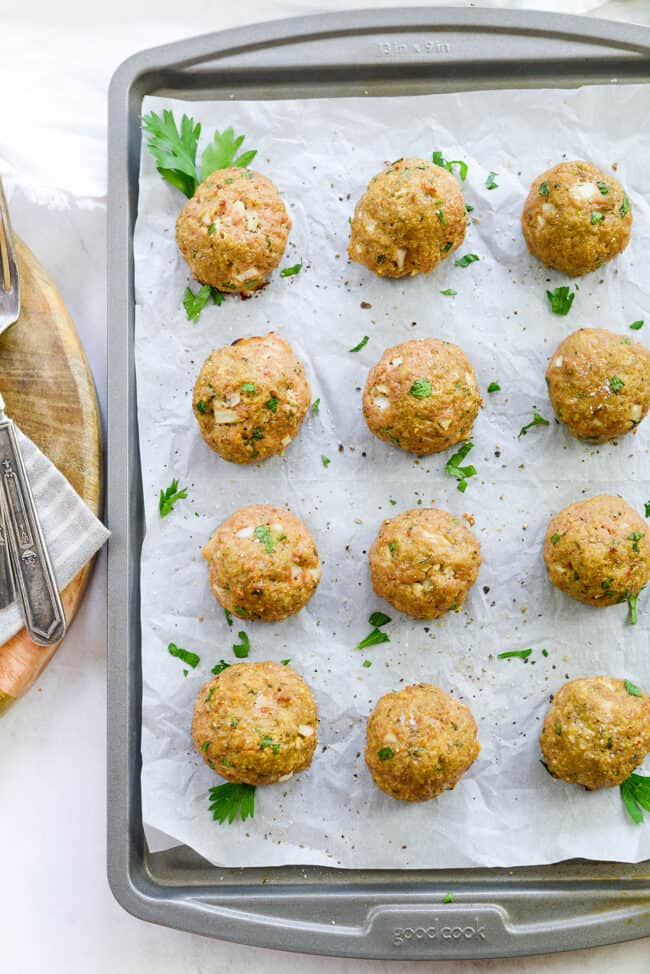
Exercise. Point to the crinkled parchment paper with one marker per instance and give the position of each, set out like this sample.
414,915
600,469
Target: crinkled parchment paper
506,811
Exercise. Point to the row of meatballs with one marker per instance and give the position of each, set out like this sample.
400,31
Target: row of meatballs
263,563
251,397
234,230
257,723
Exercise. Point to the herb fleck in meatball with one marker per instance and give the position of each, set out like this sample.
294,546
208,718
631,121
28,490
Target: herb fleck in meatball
411,216
599,384
233,231
262,563
420,742
422,396
256,723
598,551
576,217
596,731
250,398
424,562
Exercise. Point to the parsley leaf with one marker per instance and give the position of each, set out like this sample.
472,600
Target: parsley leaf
272,404
192,659
290,271
421,389
219,667
515,654
230,800
561,300
364,341
624,208
543,188
635,792
367,663
633,617
315,407
449,292
385,753
635,537
174,151
466,260
454,469
195,303
264,536
494,387
596,217
646,509
616,384
228,616
633,689
440,160
537,420
603,187
379,619
169,497
373,638
490,183
448,898
243,647
222,153
637,325
325,460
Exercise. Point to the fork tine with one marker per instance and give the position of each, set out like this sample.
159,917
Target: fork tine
9,278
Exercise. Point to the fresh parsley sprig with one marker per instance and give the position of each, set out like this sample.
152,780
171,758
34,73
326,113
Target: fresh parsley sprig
537,420
221,153
454,469
195,302
231,800
635,792
169,496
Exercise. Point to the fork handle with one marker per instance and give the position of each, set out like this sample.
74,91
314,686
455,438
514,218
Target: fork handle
32,569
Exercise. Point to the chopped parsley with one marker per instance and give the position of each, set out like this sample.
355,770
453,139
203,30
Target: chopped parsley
315,407
596,218
385,753
603,187
421,389
537,420
646,509
243,647
373,638
466,260
635,792
272,404
453,468
448,898
616,384
364,341
543,188
285,662
169,496
264,536
325,460
367,663
490,183
192,659
449,292
439,160
633,617
469,207
561,300
635,537
633,689
201,406
379,619
290,271
441,217
219,667
555,538
624,208
249,387
515,654
195,303
231,800
637,325
228,616
494,387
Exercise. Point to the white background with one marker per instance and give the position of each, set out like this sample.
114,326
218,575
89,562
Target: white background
56,911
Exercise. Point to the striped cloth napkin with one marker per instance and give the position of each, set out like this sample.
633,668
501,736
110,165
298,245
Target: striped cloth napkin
72,532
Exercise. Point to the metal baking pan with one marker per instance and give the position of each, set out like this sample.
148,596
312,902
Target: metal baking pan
362,913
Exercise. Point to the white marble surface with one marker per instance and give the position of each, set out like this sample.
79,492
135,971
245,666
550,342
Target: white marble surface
56,911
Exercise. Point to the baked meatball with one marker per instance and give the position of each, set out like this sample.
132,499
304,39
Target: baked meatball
422,396
262,563
596,731
420,742
250,398
598,551
576,217
233,231
424,562
411,216
256,723
599,384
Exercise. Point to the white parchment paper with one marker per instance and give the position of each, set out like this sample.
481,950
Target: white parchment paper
506,811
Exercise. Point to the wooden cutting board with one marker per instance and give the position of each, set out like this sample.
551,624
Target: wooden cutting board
49,391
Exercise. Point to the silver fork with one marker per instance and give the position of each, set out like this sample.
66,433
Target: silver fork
23,553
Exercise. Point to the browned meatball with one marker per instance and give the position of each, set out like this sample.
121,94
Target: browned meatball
411,216
576,217
596,731
256,723
234,230
262,563
420,742
424,562
250,398
598,551
422,396
599,384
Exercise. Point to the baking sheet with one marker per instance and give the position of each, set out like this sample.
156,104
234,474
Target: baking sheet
506,811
